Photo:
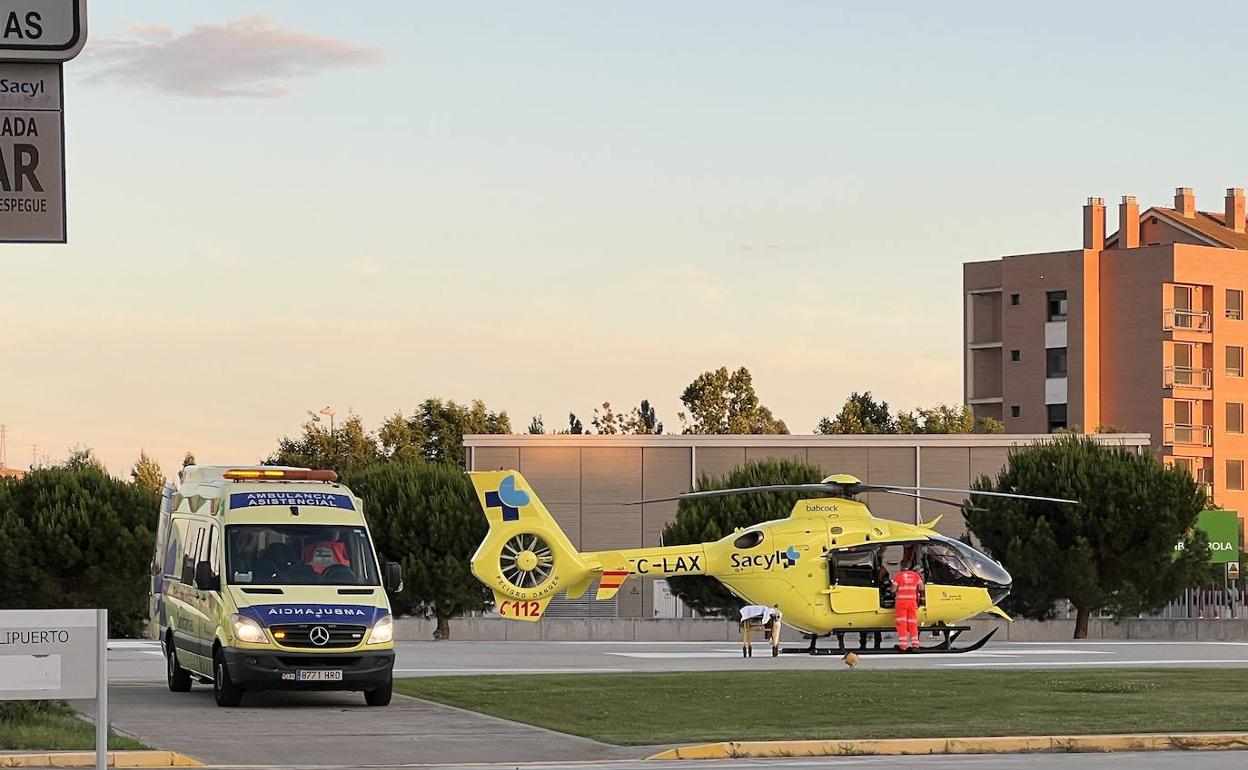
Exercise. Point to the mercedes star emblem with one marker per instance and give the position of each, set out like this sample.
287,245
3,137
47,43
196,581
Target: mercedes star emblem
319,635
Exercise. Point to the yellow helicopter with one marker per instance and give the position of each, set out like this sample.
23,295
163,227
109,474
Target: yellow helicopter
824,567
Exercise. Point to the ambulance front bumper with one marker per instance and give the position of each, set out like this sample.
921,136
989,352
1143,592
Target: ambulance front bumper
281,670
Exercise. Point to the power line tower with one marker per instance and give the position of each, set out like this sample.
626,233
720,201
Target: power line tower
4,440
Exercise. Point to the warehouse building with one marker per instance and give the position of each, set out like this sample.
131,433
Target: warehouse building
586,481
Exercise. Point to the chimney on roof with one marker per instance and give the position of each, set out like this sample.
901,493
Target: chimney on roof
1128,223
1235,208
1185,202
1094,224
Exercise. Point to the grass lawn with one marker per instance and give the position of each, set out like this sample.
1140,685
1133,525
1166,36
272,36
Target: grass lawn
722,705
50,726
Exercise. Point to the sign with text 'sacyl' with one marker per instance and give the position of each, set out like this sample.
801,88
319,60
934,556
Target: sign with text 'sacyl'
36,36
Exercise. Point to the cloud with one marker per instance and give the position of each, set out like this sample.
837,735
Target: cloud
249,57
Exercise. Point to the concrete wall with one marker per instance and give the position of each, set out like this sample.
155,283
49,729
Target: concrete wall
709,630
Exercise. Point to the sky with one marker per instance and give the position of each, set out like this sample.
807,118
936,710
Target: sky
278,206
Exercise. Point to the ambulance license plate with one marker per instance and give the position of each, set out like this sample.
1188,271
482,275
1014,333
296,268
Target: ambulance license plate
318,676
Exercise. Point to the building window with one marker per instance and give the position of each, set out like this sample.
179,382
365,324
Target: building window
1016,411
1234,361
1186,463
1057,305
1016,355
1184,412
1057,417
1055,362
1235,304
1235,474
1234,417
1013,299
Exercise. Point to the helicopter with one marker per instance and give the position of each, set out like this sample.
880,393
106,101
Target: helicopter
820,567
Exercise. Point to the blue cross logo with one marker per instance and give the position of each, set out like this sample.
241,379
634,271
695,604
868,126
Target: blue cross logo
510,499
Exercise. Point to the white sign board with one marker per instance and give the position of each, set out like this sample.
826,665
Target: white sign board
48,654
57,654
32,154
42,30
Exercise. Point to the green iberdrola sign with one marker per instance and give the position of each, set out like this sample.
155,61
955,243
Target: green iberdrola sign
1222,529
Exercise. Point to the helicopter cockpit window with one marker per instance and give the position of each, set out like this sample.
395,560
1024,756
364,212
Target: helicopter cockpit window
854,567
748,540
945,565
982,567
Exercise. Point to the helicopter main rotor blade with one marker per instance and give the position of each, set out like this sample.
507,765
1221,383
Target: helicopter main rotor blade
821,488
932,500
1013,495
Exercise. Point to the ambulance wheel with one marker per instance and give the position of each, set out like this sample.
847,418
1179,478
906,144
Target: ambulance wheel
225,692
381,696
178,677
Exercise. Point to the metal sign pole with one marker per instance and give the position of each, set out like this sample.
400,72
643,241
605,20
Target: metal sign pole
101,693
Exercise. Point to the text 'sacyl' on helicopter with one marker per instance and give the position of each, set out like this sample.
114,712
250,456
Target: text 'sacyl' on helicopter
823,567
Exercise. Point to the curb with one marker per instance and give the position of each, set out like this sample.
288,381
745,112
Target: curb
87,759
1002,745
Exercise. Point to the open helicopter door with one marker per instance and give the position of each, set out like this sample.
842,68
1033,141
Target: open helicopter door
853,590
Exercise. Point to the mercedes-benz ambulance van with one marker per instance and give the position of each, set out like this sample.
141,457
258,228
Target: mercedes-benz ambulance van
266,578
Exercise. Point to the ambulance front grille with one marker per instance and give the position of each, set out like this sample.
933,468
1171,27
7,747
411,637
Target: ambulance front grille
301,635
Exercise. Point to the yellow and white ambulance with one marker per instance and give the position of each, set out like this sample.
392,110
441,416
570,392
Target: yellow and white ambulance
266,578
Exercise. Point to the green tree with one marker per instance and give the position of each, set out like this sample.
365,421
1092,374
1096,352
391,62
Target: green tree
942,418
71,536
426,517
861,413
607,422
188,459
1114,550
147,473
574,425
436,430
708,519
536,427
720,402
348,446
641,420
645,420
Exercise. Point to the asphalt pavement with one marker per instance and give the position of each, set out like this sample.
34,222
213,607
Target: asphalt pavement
337,730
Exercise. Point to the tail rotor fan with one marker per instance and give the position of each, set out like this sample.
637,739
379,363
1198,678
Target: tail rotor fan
526,561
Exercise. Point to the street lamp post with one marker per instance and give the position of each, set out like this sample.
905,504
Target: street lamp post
330,412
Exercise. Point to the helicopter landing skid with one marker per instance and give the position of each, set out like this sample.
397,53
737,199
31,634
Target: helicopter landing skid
950,635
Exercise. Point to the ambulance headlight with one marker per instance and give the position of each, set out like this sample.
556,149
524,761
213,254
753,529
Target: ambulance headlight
247,630
383,631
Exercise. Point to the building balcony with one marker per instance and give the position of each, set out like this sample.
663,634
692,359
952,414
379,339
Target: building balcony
1188,435
1187,377
1180,319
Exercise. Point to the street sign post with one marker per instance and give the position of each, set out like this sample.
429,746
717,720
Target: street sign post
54,655
42,30
36,37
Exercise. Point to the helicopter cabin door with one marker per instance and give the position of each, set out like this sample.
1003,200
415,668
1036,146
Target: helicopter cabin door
853,587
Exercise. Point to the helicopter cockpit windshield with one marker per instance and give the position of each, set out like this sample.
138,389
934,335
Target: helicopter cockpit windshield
962,564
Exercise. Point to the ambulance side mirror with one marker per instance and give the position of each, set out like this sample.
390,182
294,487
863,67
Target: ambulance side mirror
393,579
204,579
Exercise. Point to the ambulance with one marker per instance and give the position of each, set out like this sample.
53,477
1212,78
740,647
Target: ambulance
265,578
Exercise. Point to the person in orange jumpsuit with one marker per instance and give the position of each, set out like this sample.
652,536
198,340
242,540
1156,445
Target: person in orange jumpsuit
907,590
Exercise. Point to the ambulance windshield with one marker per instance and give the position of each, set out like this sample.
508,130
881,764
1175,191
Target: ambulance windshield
299,554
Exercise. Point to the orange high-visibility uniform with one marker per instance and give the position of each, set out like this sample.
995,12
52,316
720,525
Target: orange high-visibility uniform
906,587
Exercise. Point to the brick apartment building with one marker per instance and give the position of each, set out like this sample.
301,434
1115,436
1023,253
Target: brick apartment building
1142,330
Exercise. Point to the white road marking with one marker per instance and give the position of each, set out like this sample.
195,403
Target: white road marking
1138,643
1193,661
498,670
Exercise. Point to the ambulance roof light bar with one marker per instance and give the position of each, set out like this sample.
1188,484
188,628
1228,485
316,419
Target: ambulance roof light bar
275,474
